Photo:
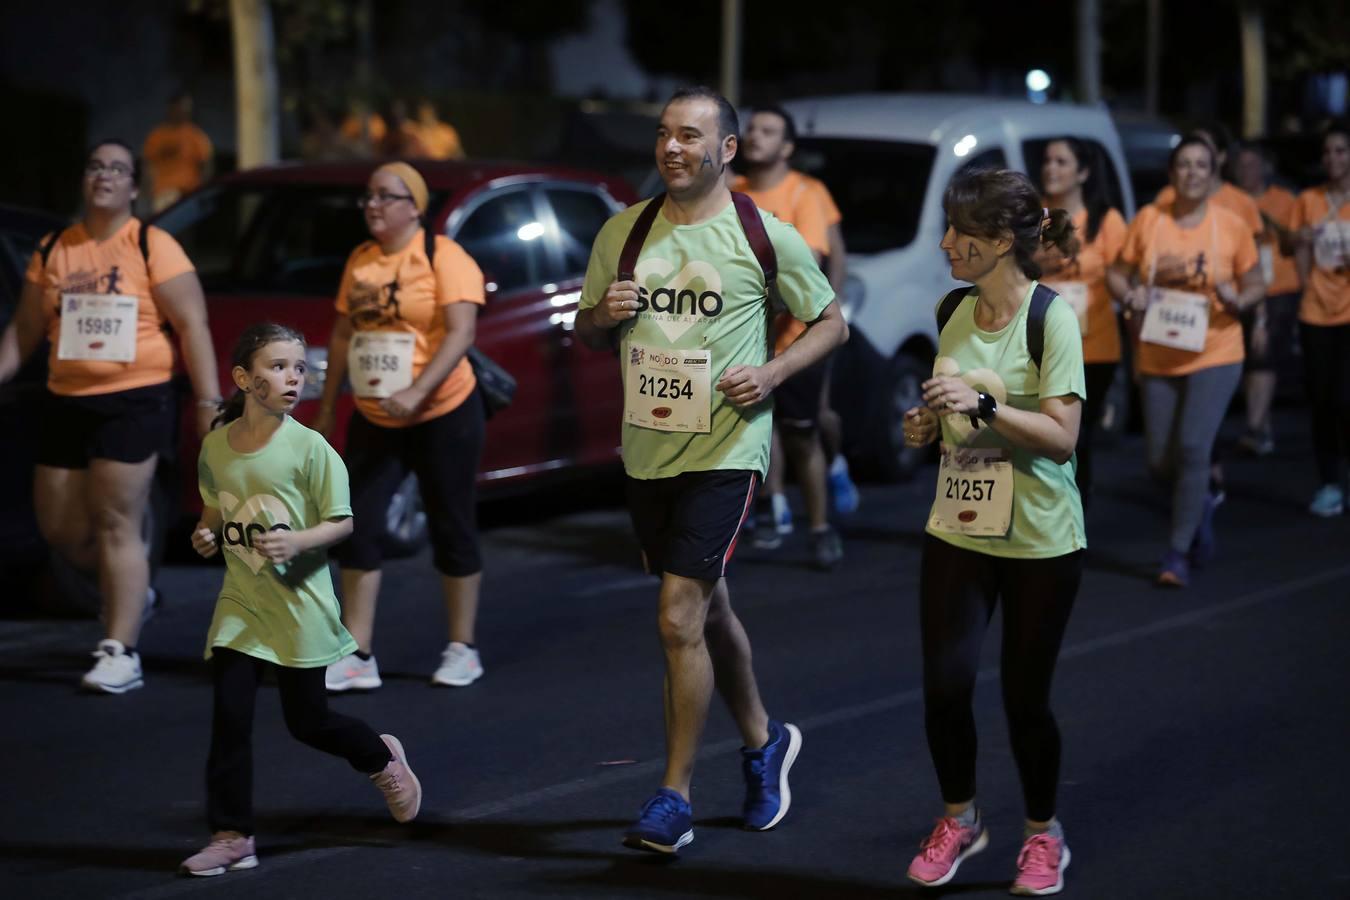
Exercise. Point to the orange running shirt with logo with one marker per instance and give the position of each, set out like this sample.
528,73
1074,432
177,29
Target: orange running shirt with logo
399,292
1326,297
1101,344
175,155
78,264
1278,204
1233,199
805,204
1219,249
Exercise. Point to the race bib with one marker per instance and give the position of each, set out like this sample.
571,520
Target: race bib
668,390
1075,293
380,363
98,327
1331,245
974,492
1268,264
1176,319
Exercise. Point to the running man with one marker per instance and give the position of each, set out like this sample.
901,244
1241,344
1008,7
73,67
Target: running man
690,319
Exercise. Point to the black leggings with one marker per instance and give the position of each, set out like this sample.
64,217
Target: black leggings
1326,360
957,593
304,702
1099,376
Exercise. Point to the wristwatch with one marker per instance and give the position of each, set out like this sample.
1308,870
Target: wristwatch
986,412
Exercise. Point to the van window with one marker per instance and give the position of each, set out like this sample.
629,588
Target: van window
877,185
580,213
504,236
1034,153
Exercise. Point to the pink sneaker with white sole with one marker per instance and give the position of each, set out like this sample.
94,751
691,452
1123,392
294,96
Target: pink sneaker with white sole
1040,866
943,851
229,851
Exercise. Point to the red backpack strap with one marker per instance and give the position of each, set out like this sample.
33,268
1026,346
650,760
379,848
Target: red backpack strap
753,226
638,236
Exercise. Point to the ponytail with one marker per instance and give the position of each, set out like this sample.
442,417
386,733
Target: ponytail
1058,232
230,410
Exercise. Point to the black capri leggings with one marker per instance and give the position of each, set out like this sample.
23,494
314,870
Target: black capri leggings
957,592
444,453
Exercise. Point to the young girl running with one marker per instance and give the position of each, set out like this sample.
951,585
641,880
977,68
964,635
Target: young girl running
275,496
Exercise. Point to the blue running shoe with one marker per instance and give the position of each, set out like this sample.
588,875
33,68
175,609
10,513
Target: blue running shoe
767,795
843,491
665,824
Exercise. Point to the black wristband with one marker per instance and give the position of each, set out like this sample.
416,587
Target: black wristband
988,408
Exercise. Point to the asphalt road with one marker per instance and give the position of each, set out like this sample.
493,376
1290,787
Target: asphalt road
1205,730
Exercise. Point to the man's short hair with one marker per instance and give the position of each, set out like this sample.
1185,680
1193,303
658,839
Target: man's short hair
727,120
789,126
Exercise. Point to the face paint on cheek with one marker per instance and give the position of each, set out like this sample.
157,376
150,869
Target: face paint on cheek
707,162
261,388
972,252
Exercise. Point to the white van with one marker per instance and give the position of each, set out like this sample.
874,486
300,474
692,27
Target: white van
887,158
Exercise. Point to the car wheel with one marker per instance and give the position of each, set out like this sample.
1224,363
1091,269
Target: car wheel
405,523
904,391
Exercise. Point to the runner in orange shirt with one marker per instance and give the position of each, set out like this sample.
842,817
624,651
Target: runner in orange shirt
177,154
1071,180
1188,270
1268,330
440,139
403,328
104,292
1322,221
804,203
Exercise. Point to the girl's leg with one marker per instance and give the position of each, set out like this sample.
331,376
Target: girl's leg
1038,595
304,703
957,592
229,768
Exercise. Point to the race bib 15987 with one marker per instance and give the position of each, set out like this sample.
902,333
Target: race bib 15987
98,327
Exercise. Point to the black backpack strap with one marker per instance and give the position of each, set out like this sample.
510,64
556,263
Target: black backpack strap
45,247
429,238
638,236
947,308
143,241
1040,303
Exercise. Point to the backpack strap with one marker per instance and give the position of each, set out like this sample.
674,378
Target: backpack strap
1040,303
755,233
143,241
947,308
45,248
429,238
638,236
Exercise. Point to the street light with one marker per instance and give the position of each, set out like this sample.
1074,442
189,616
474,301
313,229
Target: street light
1038,82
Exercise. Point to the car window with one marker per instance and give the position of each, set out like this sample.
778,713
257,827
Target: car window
1034,153
503,236
877,185
993,158
290,239
580,213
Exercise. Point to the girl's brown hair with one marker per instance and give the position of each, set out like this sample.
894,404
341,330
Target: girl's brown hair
992,203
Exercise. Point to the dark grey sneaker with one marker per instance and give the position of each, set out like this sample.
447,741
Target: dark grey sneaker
826,549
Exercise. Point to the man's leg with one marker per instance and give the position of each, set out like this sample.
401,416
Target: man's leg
733,669
689,673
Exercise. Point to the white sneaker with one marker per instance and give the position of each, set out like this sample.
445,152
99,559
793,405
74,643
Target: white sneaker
782,514
352,672
460,666
1328,501
116,671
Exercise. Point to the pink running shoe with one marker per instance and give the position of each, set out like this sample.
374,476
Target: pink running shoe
1040,866
402,790
945,849
228,851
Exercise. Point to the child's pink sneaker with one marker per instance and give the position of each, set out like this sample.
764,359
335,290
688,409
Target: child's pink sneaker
1040,866
227,852
402,790
943,851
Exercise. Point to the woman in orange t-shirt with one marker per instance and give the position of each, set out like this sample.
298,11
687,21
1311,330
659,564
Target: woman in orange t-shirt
405,324
1188,269
1322,221
1071,180
104,292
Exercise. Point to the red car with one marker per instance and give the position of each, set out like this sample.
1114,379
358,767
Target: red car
271,244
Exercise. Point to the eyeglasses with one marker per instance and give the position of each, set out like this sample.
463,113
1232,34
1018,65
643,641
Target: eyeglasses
380,199
115,170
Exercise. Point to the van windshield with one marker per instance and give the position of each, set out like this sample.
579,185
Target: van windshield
878,186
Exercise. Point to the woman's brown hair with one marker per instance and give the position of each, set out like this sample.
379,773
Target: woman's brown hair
992,203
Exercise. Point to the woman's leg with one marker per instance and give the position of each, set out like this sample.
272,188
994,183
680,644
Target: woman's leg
1099,377
61,501
118,494
1160,396
1204,402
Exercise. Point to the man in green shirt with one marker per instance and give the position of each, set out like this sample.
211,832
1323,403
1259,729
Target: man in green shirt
691,330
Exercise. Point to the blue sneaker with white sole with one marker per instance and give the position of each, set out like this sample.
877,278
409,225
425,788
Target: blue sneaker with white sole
665,824
767,794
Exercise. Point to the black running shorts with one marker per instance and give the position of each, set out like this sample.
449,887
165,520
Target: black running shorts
124,426
688,524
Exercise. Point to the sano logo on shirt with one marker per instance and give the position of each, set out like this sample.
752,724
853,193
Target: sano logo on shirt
690,296
245,520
